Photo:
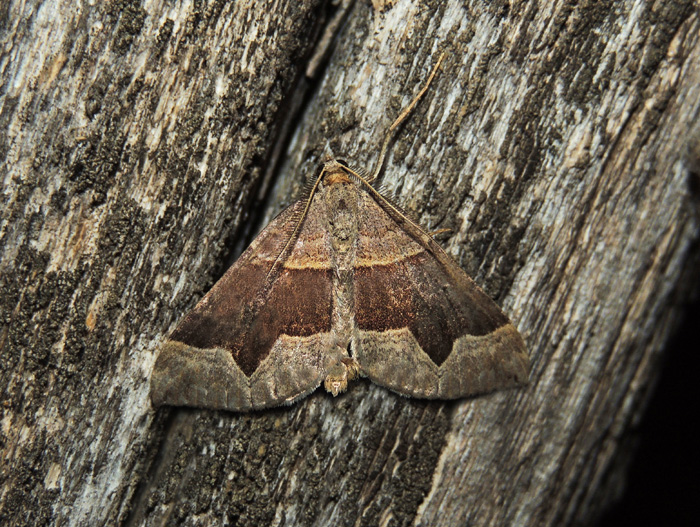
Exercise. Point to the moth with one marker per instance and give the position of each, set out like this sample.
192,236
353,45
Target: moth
341,284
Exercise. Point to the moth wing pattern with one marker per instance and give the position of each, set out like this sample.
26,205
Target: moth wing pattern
424,328
342,272
254,349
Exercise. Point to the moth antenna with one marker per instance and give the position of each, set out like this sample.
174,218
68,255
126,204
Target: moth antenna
438,232
297,225
306,190
296,216
381,190
409,224
360,170
402,116
385,191
358,174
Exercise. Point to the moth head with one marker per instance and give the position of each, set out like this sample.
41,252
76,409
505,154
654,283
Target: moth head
335,172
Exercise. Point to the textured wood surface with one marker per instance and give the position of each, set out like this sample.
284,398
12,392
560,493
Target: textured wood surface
143,145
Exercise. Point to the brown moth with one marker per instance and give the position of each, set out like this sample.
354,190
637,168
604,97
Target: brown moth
339,284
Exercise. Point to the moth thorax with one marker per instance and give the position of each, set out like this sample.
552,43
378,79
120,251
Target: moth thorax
341,214
337,176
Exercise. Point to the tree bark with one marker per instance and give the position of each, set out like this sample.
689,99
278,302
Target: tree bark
143,145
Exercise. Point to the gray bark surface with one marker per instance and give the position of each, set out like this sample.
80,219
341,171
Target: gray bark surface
139,143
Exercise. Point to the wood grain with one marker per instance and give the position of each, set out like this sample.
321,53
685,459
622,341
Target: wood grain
139,143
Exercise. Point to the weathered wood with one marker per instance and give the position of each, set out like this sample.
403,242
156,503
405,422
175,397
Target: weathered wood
134,139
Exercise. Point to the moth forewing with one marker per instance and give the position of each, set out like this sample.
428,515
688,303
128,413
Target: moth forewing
340,284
